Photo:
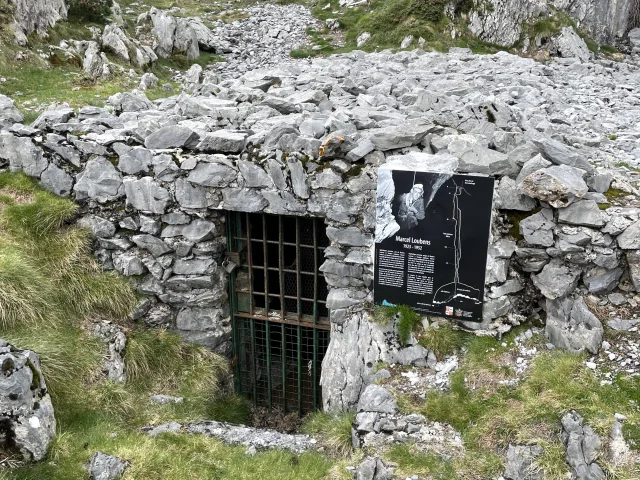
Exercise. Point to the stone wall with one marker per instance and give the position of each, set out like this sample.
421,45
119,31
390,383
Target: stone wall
154,179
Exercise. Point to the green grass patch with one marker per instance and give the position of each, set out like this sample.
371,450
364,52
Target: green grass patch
389,22
609,49
490,420
412,461
615,194
334,430
442,339
47,272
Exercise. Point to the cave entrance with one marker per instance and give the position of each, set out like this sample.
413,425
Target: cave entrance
279,314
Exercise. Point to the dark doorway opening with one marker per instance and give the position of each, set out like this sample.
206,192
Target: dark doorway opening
278,299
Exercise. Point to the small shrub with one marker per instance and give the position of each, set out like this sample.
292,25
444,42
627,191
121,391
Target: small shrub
429,10
90,9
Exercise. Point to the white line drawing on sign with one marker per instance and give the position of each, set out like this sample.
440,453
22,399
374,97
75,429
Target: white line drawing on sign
456,288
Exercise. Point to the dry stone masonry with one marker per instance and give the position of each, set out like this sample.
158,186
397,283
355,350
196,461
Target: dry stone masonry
155,178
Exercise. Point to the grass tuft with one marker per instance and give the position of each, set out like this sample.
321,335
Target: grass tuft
412,461
334,430
442,339
407,320
161,360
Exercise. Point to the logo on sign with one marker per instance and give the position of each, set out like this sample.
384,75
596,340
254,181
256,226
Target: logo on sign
448,310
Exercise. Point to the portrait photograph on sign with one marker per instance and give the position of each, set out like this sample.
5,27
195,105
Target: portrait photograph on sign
432,237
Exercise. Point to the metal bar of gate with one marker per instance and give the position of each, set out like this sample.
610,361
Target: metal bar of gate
253,362
268,345
281,267
315,370
321,326
249,263
284,370
298,280
315,272
266,265
266,306
299,370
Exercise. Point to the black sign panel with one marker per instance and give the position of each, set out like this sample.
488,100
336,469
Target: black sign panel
432,236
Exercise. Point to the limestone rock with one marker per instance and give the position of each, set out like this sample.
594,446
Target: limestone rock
185,41
377,399
601,280
373,469
25,405
172,136
243,200
37,16
633,259
572,326
9,114
22,154
556,185
212,174
537,229
521,462
569,44
106,467
192,196
100,227
148,80
363,38
630,238
114,40
476,158
164,29
152,244
583,212
510,198
146,195
93,62
99,181
556,280
582,445
500,21
196,231
561,154
56,180
130,102
223,141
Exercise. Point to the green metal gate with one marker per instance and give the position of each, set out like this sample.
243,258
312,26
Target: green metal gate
279,314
